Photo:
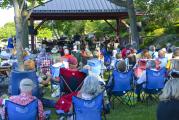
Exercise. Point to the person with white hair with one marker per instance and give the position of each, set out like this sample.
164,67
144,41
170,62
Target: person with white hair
90,88
169,101
25,96
153,52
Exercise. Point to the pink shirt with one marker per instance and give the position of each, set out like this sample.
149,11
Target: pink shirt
26,98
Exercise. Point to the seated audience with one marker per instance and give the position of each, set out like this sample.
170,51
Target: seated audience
168,107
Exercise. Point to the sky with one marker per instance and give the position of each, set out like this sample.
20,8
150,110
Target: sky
6,15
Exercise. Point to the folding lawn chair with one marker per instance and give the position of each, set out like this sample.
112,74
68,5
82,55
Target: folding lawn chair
16,77
122,85
88,109
55,71
155,81
18,112
15,111
70,80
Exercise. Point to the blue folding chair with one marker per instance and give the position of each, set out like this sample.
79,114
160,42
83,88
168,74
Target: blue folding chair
55,71
155,81
18,112
16,77
88,109
122,84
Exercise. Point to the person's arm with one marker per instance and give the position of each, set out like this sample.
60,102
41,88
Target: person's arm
110,83
40,110
142,79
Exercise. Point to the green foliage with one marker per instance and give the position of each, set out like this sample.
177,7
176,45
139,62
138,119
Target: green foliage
44,32
161,13
7,30
100,27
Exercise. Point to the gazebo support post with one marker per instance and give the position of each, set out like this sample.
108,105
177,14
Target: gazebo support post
117,30
32,34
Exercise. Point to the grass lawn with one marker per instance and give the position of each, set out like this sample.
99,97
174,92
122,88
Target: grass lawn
123,112
141,111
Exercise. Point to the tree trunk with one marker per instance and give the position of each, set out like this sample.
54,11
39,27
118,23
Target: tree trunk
133,24
19,35
25,28
25,33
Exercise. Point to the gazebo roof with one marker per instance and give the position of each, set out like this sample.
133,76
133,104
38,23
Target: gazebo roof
78,10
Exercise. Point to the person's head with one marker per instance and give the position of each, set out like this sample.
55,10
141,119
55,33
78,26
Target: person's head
118,56
29,65
89,54
26,85
146,54
152,48
91,85
66,52
121,66
170,90
176,53
73,62
151,64
161,53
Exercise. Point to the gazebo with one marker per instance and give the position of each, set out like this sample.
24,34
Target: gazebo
78,10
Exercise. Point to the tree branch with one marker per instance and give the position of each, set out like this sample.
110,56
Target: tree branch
22,6
30,12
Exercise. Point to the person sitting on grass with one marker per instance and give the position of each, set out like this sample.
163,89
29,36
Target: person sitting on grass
168,107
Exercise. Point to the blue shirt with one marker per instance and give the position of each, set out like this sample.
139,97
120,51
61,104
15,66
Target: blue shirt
10,43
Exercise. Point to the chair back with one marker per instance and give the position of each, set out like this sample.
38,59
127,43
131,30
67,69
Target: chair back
55,71
122,81
107,60
88,109
71,80
18,112
155,79
17,76
96,66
